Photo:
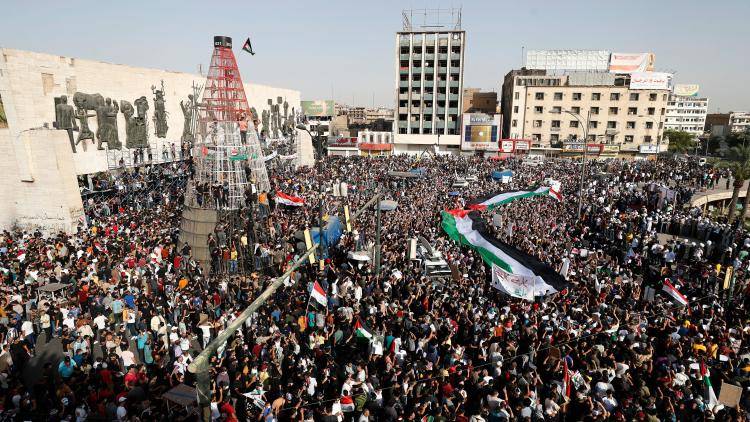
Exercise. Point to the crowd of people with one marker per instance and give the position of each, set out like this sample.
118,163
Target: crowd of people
102,324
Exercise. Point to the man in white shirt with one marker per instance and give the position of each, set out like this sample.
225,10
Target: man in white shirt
128,358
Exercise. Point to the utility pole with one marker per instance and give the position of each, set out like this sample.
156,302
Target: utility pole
377,237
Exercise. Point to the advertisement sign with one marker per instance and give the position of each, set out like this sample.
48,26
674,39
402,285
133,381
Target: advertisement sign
317,108
522,144
480,131
648,149
588,60
629,62
650,80
506,146
594,148
610,148
572,146
686,90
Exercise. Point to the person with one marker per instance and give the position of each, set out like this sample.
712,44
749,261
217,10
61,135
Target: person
243,128
66,368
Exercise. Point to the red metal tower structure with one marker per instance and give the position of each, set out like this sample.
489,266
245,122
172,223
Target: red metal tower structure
223,94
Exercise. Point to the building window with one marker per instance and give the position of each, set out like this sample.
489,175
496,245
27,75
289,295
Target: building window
630,125
556,110
539,96
632,111
536,137
664,97
594,110
649,125
538,109
554,138
614,96
647,139
595,96
576,110
556,124
652,96
634,96
516,95
628,139
514,123
613,110
611,125
515,109
576,96
558,96
593,124
537,123
574,123
651,111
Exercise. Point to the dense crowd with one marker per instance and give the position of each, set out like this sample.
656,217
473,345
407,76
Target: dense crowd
101,324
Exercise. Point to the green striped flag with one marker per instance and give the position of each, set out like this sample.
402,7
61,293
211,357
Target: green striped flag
502,198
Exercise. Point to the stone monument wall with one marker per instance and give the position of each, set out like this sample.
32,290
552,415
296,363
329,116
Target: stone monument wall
30,82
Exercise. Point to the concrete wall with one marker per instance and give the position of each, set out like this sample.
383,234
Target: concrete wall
30,81
48,196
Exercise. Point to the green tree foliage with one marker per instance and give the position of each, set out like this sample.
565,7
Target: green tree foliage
680,142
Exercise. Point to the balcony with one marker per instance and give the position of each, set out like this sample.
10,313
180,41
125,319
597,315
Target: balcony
403,70
414,123
429,56
427,110
453,97
403,84
417,56
441,97
452,110
443,56
403,124
403,110
441,84
451,125
442,69
416,84
429,84
403,56
455,56
403,96
427,125
453,84
427,97
416,70
441,111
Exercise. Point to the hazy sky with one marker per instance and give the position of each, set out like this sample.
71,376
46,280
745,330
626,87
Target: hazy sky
346,49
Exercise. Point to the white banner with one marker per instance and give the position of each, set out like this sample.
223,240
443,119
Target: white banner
512,284
650,80
686,90
629,63
288,157
271,156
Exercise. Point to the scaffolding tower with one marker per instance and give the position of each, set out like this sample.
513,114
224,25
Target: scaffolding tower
219,152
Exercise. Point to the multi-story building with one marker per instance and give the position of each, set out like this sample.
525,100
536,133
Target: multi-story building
551,108
739,121
686,114
478,101
717,124
379,113
429,87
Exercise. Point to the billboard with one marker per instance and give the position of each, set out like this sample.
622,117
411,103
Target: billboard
648,149
567,59
650,80
317,108
480,131
686,90
631,62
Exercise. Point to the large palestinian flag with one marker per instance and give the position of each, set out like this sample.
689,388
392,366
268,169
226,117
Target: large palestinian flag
513,271
494,200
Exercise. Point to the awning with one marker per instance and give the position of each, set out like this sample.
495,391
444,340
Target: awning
375,147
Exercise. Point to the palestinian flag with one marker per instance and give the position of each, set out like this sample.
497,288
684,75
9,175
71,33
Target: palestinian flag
710,396
566,379
248,47
514,272
674,293
319,294
495,200
292,201
361,330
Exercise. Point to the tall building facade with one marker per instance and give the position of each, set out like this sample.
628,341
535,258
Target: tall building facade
478,101
686,114
739,121
429,83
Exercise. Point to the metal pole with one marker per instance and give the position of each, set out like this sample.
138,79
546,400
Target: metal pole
377,239
321,240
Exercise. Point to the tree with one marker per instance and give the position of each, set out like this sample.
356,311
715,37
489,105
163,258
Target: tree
739,164
679,142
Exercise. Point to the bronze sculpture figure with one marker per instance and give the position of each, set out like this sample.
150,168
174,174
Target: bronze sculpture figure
65,119
160,113
187,113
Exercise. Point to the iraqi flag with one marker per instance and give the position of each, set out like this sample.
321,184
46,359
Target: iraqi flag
292,201
674,293
347,404
361,330
514,272
319,294
495,200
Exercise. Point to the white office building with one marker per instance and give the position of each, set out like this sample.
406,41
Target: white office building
686,114
739,121
429,81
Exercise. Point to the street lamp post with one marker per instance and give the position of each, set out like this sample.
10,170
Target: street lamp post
319,148
585,130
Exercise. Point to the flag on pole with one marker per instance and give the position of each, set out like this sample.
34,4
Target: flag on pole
711,400
319,294
248,47
361,330
566,378
513,271
292,201
495,200
674,293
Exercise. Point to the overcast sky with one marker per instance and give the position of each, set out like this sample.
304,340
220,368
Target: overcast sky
346,49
